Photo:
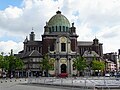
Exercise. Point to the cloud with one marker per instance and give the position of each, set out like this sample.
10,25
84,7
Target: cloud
91,17
7,46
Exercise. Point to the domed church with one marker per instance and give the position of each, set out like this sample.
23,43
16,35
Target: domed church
59,42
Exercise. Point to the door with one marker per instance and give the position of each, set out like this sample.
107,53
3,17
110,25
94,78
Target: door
63,68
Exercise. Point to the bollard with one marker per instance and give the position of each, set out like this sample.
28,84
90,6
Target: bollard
61,81
44,81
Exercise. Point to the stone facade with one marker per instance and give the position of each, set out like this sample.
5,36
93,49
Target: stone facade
59,41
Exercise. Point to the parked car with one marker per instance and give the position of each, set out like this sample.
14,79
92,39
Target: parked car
4,75
117,75
107,75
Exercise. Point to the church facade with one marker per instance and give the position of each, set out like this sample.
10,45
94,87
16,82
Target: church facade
59,41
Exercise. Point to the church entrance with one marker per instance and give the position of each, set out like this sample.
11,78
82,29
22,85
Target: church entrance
63,68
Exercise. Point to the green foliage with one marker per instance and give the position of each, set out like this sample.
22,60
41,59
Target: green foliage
1,61
6,63
98,65
19,63
80,63
51,62
45,63
10,62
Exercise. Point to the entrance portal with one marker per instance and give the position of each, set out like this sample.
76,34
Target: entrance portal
63,68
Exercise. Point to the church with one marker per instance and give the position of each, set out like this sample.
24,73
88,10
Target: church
59,41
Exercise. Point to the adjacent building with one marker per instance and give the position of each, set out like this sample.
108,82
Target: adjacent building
111,60
119,59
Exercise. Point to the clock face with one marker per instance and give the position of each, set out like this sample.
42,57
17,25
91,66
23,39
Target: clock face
63,39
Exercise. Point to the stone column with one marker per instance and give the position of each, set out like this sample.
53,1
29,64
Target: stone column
68,67
57,66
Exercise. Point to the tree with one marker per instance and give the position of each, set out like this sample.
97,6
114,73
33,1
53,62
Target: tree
80,64
45,64
10,63
18,63
4,64
1,61
98,65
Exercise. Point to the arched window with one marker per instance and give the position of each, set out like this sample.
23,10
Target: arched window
56,28
52,47
52,29
63,28
60,28
66,29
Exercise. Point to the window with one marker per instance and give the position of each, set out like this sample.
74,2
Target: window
63,47
29,48
51,47
60,28
66,29
63,28
56,28
52,29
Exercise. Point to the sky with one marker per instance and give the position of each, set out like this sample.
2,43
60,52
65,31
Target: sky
92,18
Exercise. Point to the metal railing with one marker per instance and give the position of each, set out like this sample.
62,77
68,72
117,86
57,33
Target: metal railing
93,83
84,83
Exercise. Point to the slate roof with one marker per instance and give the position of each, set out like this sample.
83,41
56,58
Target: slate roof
90,54
33,53
34,42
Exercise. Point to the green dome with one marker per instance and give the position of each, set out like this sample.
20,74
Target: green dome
58,23
59,20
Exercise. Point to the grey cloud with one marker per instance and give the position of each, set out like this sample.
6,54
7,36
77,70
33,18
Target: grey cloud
110,35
